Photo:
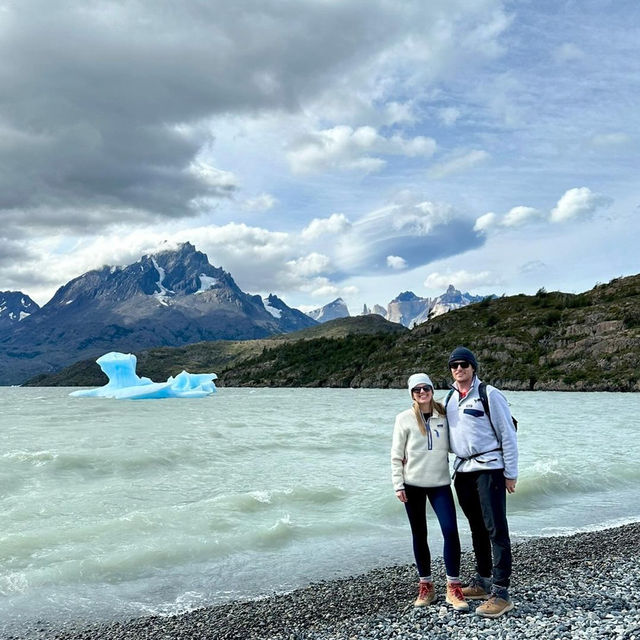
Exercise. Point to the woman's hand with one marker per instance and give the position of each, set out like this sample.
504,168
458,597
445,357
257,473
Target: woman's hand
401,495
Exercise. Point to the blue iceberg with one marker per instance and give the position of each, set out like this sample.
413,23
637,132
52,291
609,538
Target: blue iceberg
125,384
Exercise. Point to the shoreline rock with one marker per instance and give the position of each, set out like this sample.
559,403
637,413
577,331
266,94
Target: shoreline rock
574,587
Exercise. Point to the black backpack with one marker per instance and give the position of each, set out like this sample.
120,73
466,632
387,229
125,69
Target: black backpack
482,392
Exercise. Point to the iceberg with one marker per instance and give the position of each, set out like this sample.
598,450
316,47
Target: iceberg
125,384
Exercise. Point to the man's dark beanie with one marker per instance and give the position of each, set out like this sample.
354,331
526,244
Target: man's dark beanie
462,354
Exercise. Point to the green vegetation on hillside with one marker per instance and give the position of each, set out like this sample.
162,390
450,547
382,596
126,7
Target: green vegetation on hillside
551,340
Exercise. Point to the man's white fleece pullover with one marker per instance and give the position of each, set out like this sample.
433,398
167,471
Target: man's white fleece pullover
471,432
416,459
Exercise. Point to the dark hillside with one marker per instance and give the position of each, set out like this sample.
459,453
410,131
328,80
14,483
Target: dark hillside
548,341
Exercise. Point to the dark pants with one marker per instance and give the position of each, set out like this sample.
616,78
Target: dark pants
482,498
441,500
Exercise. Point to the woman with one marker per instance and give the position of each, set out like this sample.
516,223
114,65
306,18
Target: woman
420,470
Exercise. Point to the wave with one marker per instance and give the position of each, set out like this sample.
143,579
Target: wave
259,500
553,477
92,464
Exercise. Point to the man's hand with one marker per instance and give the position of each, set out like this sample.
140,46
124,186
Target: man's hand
510,484
402,496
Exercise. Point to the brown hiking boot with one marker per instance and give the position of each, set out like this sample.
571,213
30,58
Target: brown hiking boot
455,596
494,607
475,590
426,594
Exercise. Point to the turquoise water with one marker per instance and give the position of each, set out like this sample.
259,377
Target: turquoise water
123,508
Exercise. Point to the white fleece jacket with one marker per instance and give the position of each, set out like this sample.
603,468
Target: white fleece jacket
416,459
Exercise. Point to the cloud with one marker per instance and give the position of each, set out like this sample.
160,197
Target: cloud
610,139
461,279
485,222
263,202
568,52
112,105
459,163
345,148
449,115
336,223
579,202
421,232
396,262
309,265
519,216
534,267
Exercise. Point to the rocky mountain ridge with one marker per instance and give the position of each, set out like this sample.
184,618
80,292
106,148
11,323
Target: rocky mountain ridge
15,306
548,341
171,298
407,308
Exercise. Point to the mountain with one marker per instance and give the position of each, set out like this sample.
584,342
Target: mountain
161,362
171,298
15,306
331,311
451,299
548,341
411,310
408,309
290,319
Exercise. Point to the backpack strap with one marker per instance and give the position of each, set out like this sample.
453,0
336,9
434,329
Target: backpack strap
482,392
446,400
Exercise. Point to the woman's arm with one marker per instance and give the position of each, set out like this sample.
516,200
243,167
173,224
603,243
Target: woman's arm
398,455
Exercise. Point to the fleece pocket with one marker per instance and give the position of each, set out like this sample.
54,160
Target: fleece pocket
474,412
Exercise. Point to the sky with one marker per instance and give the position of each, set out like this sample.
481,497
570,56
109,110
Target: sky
318,149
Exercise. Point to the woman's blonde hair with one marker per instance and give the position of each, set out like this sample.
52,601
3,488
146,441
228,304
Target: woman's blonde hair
434,407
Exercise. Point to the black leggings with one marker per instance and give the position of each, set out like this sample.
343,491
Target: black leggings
441,500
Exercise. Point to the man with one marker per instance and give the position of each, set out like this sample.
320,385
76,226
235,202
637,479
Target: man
486,467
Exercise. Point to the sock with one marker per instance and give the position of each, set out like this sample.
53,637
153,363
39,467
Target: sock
425,579
451,579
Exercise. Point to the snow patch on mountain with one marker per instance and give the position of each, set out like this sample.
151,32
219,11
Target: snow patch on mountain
206,283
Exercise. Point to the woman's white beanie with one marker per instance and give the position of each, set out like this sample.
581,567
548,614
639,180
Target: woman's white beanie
418,378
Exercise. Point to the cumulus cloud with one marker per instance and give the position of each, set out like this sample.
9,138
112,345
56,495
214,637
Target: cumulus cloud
461,279
309,265
579,202
459,163
485,222
516,217
396,262
336,223
111,105
343,147
519,216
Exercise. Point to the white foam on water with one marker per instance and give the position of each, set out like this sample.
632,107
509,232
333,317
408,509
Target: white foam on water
122,509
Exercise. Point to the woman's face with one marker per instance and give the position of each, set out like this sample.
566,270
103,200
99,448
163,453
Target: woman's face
422,394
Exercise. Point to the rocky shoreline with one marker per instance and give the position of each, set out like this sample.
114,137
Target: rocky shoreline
584,586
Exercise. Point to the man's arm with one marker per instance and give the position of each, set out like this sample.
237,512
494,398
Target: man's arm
501,419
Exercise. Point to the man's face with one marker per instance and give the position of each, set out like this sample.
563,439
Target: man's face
462,372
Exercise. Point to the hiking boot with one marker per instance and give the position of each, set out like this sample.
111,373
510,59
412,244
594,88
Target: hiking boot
426,594
455,596
475,590
494,607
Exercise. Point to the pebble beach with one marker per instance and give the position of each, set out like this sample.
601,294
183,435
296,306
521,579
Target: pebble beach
582,586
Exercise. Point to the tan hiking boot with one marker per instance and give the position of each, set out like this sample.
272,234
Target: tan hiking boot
494,607
455,597
475,590
426,594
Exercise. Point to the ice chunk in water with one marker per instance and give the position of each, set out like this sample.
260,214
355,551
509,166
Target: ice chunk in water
124,383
